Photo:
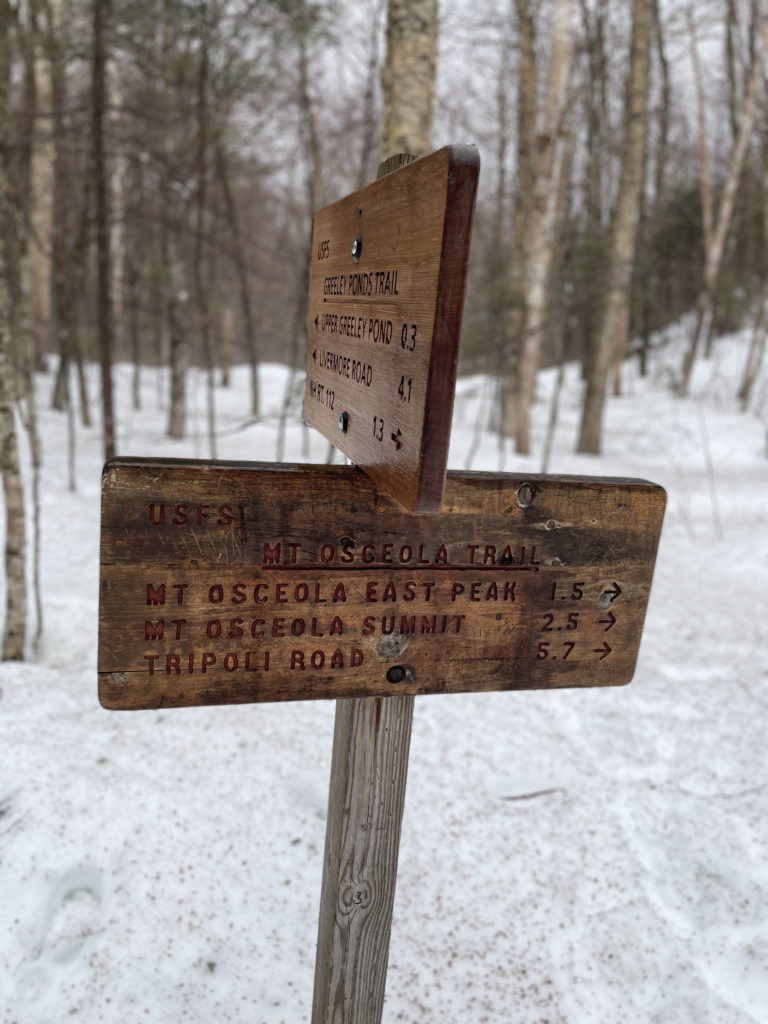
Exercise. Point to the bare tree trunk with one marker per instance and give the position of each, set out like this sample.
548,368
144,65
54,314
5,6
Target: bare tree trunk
74,287
132,324
15,537
238,251
523,209
613,326
178,354
560,305
408,77
23,325
719,231
756,351
198,270
596,174
33,433
315,199
116,187
665,107
731,31
41,187
225,334
539,242
101,12
368,130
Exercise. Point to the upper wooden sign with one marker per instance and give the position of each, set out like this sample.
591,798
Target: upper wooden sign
229,583
386,294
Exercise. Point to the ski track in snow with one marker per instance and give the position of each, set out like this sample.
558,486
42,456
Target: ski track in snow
588,856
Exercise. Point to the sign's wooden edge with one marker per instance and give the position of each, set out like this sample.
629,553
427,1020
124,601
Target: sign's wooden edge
463,174
215,465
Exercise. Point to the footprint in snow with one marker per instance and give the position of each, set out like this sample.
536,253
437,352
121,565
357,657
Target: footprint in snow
72,915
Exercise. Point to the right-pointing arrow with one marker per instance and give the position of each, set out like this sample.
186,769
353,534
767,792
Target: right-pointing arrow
603,651
611,621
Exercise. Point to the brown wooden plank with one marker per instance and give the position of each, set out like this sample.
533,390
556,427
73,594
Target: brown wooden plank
296,583
383,329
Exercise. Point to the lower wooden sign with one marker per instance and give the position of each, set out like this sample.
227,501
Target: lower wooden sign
231,583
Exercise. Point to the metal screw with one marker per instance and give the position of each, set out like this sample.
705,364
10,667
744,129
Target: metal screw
344,422
396,674
357,249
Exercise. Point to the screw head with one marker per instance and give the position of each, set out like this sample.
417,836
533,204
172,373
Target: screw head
344,422
396,674
357,249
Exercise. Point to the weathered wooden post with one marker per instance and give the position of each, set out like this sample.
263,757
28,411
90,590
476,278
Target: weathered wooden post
246,582
408,301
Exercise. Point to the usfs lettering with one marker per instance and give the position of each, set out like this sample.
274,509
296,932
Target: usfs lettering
190,515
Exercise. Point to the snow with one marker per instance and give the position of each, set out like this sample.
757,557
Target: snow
586,856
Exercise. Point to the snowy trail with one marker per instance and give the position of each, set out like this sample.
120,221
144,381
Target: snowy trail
586,856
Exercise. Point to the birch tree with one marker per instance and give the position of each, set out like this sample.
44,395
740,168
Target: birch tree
716,228
15,542
613,323
408,77
525,177
539,241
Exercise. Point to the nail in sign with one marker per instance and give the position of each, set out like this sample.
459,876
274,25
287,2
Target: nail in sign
385,302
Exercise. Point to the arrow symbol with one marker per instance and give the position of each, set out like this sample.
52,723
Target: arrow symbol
603,651
611,620
316,319
396,439
314,356
613,593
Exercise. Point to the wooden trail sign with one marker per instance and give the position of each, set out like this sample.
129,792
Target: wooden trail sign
231,582
244,582
386,294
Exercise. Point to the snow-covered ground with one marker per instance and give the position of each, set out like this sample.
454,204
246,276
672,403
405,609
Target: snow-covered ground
580,856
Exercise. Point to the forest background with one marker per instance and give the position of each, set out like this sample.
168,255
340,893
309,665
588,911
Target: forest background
160,163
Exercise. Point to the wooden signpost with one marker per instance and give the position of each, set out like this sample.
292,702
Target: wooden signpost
386,294
228,583
243,582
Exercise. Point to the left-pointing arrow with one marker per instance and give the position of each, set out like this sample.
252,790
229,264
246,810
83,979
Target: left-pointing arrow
314,356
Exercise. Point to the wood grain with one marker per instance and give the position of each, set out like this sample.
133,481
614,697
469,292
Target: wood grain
365,809
383,330
523,582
